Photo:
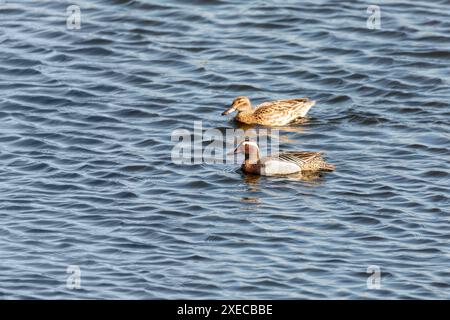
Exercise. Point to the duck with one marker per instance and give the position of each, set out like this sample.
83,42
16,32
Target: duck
284,163
273,113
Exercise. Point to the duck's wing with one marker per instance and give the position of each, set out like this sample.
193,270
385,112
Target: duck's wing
299,157
308,161
292,108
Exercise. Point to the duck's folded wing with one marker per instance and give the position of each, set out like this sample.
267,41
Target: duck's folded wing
284,107
299,157
286,103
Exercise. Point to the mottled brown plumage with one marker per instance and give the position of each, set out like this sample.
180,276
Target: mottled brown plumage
274,113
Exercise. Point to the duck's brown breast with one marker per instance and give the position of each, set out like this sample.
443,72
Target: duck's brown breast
251,168
245,117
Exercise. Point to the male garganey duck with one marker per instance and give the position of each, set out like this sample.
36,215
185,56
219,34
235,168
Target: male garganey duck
274,113
282,163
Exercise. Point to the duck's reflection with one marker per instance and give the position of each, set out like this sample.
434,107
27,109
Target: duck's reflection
272,132
256,182
291,127
252,182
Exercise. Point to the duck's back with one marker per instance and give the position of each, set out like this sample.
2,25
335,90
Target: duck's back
281,112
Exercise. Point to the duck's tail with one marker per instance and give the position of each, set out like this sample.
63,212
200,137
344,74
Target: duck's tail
327,167
303,110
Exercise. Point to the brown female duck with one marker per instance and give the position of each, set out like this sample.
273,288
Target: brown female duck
274,113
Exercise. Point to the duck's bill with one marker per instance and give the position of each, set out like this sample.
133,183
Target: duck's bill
229,110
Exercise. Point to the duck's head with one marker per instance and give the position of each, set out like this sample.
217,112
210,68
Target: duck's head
248,147
241,103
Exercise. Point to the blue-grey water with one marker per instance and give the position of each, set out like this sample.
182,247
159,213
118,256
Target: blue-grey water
86,177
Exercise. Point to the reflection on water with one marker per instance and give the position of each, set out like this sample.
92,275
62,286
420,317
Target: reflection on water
256,183
275,133
250,200
253,181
